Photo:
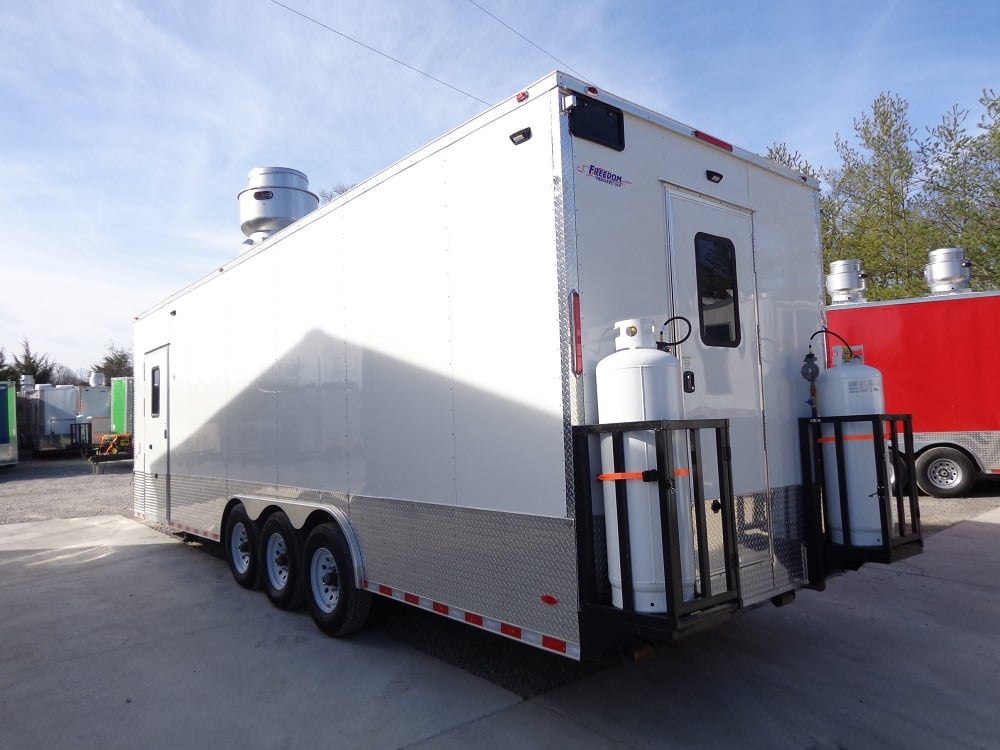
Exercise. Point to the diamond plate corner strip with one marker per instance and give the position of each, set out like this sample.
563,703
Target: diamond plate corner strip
564,203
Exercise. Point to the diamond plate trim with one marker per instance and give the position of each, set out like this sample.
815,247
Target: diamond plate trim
497,564
770,530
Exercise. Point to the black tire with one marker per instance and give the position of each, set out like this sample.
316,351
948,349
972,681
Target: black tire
945,472
242,546
281,562
901,474
335,603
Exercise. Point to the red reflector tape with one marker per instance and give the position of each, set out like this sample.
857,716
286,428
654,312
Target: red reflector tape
554,644
527,636
510,630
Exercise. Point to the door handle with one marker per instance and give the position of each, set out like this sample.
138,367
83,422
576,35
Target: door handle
688,381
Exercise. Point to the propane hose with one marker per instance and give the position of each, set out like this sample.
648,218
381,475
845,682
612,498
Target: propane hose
827,331
662,344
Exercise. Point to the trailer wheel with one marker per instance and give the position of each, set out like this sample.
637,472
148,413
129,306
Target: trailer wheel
945,472
336,604
281,562
242,548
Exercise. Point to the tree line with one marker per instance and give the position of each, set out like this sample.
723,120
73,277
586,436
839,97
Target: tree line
896,194
116,363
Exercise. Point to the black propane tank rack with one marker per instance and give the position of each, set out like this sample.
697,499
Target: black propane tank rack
603,625
891,438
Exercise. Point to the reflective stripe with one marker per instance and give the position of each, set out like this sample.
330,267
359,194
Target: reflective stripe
515,632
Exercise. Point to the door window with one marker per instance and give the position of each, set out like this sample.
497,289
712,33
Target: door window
154,392
718,313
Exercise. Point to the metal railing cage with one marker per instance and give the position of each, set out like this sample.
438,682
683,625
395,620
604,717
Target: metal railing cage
716,594
891,440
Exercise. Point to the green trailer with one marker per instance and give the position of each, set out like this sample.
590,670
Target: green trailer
8,423
121,406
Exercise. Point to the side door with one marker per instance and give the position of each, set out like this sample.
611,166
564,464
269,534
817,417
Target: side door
155,447
710,256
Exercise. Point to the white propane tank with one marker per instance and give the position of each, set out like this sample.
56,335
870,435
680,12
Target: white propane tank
852,388
639,383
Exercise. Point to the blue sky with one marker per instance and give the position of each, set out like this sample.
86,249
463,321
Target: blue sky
127,127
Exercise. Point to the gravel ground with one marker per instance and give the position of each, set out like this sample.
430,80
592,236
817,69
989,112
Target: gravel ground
59,487
46,488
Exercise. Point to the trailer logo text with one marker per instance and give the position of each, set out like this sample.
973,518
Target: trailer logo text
602,175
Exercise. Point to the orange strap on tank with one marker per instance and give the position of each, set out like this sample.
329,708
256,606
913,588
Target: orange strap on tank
645,476
616,475
869,436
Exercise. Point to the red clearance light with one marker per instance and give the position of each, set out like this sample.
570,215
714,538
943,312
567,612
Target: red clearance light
549,599
577,333
521,96
713,140
592,90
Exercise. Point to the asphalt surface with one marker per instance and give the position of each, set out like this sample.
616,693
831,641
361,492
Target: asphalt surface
116,635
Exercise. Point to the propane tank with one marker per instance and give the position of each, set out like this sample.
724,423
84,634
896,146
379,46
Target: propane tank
849,389
638,383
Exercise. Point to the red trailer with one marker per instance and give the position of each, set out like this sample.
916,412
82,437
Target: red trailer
939,357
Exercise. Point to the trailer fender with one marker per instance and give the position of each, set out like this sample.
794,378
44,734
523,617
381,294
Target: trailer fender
304,517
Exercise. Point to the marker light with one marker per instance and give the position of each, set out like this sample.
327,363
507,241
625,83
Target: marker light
713,140
577,333
520,136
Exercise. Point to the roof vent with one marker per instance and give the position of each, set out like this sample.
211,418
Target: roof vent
274,198
948,271
846,282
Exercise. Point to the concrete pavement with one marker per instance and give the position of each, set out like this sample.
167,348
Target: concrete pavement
114,635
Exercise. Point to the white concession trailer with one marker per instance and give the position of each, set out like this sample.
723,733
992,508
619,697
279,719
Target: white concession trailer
396,394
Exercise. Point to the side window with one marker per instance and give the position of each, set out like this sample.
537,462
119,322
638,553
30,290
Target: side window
718,313
154,392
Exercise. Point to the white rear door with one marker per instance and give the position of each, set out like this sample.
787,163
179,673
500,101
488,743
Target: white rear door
710,249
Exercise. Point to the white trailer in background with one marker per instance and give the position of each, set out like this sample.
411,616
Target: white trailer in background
395,395
66,417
